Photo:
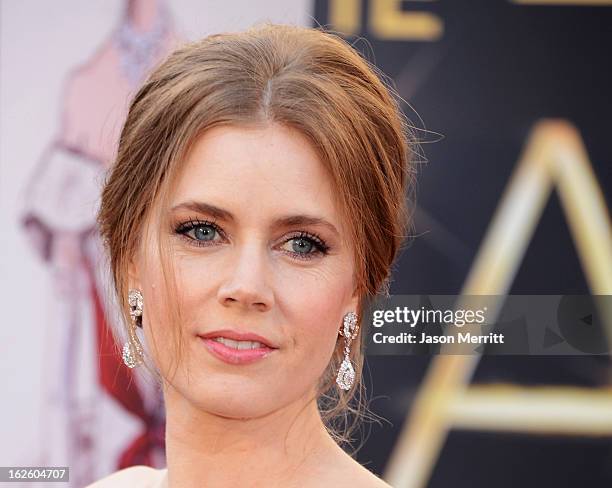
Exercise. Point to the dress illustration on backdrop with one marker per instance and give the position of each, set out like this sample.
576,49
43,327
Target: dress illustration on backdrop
88,390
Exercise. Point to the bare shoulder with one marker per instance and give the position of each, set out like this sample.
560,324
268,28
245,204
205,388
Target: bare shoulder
361,477
133,477
346,472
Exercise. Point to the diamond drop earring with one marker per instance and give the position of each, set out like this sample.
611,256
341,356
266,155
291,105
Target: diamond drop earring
132,350
346,374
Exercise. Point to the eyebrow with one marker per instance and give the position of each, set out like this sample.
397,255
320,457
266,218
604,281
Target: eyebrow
285,221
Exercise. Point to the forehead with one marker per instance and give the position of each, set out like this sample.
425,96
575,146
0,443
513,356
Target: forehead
265,169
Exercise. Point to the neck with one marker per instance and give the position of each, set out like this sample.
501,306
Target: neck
277,449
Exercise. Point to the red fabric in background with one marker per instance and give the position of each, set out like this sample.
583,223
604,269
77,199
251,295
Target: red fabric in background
118,380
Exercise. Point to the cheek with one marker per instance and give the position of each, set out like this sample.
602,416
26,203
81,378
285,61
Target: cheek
193,288
157,317
159,292
315,315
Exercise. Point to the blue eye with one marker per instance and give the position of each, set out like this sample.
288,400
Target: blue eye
202,233
300,244
307,246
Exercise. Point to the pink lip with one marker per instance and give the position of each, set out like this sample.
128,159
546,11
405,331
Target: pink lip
236,356
238,336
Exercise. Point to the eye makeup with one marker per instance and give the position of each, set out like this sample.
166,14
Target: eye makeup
193,231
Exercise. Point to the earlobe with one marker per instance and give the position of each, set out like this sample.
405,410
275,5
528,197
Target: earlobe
133,279
355,302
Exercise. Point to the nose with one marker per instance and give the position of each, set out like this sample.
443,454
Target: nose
246,284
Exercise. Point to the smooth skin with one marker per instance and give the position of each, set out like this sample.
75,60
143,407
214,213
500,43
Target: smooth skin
252,424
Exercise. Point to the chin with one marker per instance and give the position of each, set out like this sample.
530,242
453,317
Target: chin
235,398
239,392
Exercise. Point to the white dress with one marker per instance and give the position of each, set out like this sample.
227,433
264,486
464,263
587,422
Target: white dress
134,477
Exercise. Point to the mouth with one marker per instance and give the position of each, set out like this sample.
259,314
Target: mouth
235,347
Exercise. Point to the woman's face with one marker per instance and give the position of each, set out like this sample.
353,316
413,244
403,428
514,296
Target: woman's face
258,246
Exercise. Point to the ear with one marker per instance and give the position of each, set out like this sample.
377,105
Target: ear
133,276
353,304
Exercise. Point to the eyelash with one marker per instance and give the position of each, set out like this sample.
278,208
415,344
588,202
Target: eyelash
321,248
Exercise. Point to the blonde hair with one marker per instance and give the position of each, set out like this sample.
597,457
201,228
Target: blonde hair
308,79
